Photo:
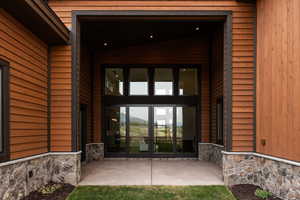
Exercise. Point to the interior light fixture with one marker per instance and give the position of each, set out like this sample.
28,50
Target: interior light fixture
105,44
197,28
151,36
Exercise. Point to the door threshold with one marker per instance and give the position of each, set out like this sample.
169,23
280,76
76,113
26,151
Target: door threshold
127,158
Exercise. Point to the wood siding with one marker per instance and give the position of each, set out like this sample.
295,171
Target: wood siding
191,51
278,83
28,60
61,98
85,90
216,82
243,49
97,115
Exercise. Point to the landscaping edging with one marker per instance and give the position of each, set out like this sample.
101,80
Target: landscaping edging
22,176
94,152
210,152
279,176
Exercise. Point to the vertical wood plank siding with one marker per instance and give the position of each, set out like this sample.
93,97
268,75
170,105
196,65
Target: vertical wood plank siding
216,83
28,59
85,89
243,49
97,116
278,83
61,98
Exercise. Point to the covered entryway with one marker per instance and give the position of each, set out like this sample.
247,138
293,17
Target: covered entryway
151,172
153,82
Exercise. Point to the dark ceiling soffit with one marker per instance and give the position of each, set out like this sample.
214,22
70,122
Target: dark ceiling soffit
38,17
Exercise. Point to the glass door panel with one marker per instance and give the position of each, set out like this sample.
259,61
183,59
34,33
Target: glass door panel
139,140
163,129
186,129
116,129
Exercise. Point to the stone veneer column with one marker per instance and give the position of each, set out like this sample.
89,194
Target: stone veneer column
279,176
210,152
94,152
22,176
66,168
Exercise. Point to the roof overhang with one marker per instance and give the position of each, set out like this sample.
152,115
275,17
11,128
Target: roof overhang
38,17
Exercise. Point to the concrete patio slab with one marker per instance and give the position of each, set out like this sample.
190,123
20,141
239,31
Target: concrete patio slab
118,172
151,172
188,172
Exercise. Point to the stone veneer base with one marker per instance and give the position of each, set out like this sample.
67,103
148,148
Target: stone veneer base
279,176
210,152
22,176
94,152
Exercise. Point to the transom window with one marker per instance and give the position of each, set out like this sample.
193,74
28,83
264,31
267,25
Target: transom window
163,81
138,78
114,81
157,80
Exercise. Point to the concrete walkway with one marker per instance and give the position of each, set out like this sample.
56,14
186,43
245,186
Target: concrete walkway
151,172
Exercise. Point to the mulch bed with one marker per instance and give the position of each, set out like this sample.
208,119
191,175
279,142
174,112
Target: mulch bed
247,192
59,194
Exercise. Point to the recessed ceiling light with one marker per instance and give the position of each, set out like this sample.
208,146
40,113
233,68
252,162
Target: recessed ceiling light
197,28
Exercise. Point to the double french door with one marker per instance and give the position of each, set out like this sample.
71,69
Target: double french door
150,130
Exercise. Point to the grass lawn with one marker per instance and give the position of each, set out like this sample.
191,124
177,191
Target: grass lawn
151,193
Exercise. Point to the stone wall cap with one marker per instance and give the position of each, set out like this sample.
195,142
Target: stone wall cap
218,145
37,156
295,163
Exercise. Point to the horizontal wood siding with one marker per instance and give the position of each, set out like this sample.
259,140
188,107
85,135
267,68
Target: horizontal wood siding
28,59
243,49
191,51
61,98
278,83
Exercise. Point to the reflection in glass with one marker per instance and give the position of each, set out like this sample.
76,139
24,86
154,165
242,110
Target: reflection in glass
188,81
116,129
163,129
138,130
185,129
163,81
114,81
138,84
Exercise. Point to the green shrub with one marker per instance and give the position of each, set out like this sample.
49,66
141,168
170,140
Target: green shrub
263,194
49,189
